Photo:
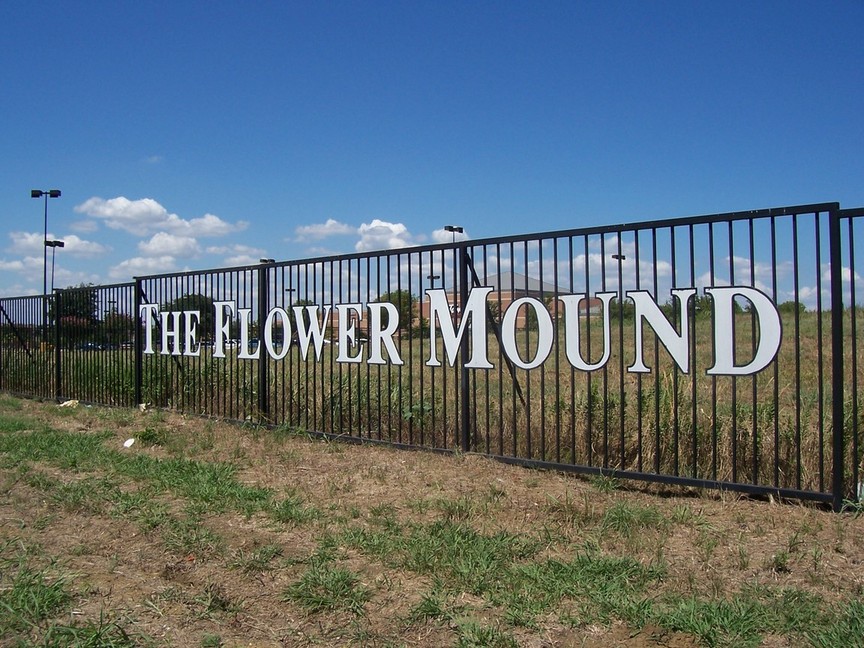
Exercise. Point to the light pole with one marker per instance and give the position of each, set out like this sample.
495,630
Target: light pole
40,193
620,258
432,278
53,245
454,229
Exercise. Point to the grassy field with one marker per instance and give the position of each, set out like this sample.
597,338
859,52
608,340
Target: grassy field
207,534
772,429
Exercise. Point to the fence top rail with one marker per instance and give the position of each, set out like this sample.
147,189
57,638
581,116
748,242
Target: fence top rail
832,207
128,284
851,212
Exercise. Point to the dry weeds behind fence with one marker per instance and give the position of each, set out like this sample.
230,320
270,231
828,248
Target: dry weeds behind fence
791,429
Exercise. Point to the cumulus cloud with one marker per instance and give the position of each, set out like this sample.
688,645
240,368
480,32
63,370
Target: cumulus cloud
443,236
64,277
381,235
238,254
144,216
237,248
77,246
317,231
84,226
140,266
241,260
163,244
846,274
11,266
26,242
317,250
32,243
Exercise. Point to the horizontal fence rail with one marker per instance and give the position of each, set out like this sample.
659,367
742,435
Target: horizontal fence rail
718,351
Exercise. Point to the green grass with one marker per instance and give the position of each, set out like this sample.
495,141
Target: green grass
210,483
325,586
33,599
476,635
468,559
90,634
30,597
291,510
257,560
483,586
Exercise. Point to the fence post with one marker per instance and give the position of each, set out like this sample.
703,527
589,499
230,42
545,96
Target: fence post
837,422
139,343
58,371
465,374
263,391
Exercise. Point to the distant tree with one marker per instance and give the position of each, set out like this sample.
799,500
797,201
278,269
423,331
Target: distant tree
790,307
79,302
696,306
494,308
118,328
623,310
307,320
278,331
531,314
404,302
196,302
76,310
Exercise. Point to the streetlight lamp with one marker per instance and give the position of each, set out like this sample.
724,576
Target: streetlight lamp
40,193
53,245
454,229
432,278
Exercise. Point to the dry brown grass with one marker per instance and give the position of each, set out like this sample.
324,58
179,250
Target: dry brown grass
710,545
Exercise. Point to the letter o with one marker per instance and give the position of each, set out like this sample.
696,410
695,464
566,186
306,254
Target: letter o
545,332
286,333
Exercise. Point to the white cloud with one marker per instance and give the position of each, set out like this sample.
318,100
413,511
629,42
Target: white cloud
79,247
845,274
64,278
237,254
164,244
32,243
140,266
237,248
141,217
241,260
84,226
11,266
26,242
317,231
381,235
30,266
317,250
207,225
443,236
19,290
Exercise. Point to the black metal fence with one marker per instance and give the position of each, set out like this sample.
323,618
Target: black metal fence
718,351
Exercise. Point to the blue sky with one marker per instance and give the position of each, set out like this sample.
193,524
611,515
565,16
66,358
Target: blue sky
188,135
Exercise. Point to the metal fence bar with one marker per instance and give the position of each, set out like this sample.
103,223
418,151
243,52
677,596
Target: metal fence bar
837,350
574,319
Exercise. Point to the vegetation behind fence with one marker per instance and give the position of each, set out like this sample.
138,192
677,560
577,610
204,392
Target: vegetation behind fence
627,406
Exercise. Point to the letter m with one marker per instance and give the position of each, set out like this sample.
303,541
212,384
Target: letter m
474,311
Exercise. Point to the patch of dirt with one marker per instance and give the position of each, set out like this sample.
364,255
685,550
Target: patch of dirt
721,544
